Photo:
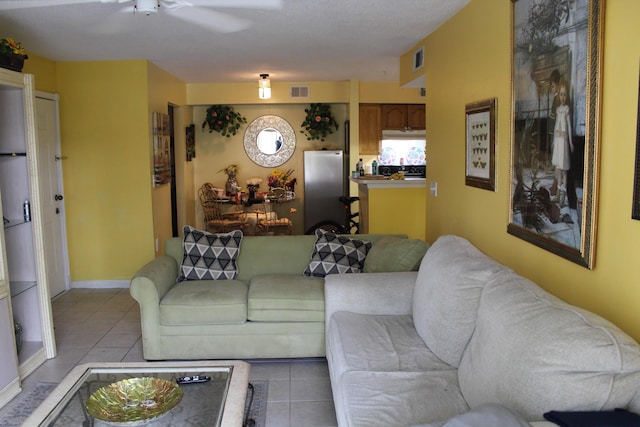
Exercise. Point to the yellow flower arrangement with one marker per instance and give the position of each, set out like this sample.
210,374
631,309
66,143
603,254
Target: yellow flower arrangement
278,178
10,46
231,170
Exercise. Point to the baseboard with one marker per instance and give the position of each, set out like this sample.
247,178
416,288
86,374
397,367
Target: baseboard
100,284
10,391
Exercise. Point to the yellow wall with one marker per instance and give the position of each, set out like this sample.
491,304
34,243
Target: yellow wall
468,59
107,176
165,89
247,93
388,93
45,71
397,210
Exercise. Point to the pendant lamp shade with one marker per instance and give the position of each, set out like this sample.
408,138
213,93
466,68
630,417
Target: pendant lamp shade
264,87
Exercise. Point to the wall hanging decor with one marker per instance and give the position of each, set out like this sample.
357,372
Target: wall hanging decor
161,149
224,120
269,141
190,142
556,48
319,122
481,144
635,212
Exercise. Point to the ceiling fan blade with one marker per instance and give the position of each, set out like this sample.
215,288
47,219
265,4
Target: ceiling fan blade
27,4
121,21
209,19
237,4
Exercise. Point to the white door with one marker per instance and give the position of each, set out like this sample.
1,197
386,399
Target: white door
50,171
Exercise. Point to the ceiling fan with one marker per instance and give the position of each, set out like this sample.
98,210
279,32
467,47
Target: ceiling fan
198,12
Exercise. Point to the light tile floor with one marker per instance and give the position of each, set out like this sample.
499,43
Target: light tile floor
103,325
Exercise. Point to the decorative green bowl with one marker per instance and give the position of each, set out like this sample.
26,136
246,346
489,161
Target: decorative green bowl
134,401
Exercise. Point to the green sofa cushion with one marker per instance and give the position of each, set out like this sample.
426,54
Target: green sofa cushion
286,298
395,254
205,302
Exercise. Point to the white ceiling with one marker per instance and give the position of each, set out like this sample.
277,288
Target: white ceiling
292,40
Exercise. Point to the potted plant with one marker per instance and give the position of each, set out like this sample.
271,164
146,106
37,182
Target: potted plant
222,119
12,54
319,123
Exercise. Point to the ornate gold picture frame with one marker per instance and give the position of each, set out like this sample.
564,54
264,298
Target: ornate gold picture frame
635,210
555,123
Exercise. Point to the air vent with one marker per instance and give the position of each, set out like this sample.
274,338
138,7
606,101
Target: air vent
423,92
299,91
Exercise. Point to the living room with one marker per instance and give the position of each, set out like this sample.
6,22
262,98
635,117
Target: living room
108,206
105,109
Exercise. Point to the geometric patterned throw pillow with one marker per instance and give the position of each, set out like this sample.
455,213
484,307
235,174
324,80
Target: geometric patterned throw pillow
336,254
208,256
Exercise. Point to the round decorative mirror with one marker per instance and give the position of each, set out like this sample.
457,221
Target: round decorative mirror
269,141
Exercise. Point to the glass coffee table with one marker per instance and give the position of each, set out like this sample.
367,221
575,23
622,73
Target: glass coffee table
218,402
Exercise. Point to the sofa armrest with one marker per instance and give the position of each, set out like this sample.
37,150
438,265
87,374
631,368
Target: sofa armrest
152,281
369,293
148,286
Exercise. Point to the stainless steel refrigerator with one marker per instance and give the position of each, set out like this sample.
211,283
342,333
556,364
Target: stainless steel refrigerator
325,180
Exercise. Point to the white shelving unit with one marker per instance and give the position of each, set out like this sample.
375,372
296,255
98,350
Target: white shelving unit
24,292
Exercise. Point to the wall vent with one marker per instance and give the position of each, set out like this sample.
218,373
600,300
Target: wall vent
422,92
299,91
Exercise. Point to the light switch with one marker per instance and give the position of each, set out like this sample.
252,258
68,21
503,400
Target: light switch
434,188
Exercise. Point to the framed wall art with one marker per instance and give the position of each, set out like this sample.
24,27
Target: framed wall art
190,142
556,48
635,212
161,149
481,144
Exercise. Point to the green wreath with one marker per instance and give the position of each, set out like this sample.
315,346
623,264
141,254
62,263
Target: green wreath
222,119
319,123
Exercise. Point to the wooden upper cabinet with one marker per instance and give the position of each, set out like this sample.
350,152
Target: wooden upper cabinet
394,116
403,116
370,129
415,116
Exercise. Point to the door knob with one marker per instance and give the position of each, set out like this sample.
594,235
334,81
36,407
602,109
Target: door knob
58,197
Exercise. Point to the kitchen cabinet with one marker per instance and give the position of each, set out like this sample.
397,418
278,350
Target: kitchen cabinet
370,129
403,116
24,293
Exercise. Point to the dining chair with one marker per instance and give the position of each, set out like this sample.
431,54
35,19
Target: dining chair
272,225
218,217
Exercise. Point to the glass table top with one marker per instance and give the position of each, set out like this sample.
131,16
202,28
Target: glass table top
218,402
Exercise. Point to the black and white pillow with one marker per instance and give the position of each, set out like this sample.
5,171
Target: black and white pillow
208,256
336,254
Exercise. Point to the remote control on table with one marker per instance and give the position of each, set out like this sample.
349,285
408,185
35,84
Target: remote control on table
192,380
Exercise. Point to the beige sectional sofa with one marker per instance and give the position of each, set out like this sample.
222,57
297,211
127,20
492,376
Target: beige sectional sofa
418,348
270,310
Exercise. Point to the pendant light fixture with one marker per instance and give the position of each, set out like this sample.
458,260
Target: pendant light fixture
264,87
146,6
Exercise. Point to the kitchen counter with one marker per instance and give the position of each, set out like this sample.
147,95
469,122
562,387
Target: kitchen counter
390,183
392,206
